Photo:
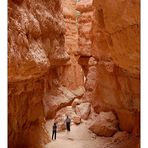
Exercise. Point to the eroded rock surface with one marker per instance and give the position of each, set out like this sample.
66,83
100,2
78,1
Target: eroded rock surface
36,43
59,98
83,110
105,124
62,50
113,80
116,45
72,74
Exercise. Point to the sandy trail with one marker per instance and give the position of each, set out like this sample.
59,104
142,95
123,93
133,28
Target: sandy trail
78,137
81,137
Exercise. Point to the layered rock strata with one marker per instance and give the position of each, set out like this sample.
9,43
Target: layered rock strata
72,75
36,45
116,46
113,77
85,21
49,66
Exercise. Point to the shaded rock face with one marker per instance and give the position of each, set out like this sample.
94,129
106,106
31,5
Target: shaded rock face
112,60
36,45
121,139
120,136
59,98
121,31
25,114
118,91
116,46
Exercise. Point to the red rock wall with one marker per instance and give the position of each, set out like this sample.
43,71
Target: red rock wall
113,77
85,25
72,75
85,21
25,114
119,25
36,46
43,57
116,46
69,76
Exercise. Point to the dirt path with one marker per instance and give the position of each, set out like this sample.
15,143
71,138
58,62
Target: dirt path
81,137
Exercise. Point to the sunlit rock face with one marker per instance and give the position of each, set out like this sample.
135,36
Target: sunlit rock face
85,20
71,75
36,46
116,47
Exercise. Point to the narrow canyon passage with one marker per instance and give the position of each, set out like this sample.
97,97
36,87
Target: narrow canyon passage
81,137
79,58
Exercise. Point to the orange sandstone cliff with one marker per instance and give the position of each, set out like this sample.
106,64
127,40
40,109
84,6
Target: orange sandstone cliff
113,61
36,44
84,54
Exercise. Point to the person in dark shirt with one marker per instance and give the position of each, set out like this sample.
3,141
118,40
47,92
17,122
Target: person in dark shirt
68,121
54,131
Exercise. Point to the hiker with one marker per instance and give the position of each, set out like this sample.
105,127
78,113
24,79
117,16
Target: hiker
54,131
68,121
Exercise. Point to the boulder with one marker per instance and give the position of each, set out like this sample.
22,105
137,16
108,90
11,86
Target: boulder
83,110
56,100
76,119
105,124
120,136
75,102
61,116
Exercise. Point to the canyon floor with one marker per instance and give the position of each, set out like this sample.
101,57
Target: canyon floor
81,137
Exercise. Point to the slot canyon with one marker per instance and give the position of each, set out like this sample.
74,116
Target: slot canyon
79,58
